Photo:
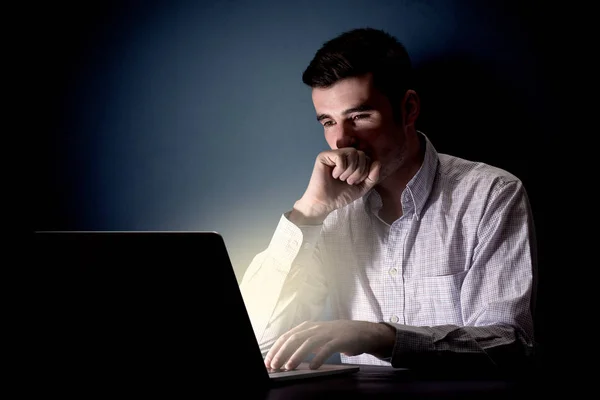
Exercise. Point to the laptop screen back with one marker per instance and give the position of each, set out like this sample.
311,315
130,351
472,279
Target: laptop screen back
141,309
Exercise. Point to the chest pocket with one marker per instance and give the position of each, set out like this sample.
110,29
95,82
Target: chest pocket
434,300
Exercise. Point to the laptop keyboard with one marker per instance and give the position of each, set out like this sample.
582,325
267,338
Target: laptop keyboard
272,371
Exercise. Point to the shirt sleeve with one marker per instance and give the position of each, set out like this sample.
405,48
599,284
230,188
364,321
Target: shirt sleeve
496,296
284,285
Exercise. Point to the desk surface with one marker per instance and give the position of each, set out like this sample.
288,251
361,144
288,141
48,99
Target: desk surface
384,382
370,382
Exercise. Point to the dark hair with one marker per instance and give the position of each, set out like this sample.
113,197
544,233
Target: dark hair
358,52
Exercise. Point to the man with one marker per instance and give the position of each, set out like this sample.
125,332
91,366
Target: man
425,259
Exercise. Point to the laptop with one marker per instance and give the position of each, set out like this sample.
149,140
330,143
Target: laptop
147,309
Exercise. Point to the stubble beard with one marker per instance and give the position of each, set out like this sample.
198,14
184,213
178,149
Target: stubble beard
396,160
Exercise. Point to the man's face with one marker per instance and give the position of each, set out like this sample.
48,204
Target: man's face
355,114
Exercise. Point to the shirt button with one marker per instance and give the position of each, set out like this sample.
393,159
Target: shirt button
393,271
394,319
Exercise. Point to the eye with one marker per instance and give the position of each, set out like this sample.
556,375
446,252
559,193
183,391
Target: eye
327,123
360,116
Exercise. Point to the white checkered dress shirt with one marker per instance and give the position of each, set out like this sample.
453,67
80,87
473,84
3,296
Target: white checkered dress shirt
454,273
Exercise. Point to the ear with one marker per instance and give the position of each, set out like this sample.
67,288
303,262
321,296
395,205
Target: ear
411,106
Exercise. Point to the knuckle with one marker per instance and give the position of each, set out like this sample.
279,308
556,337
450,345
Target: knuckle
294,337
282,339
325,347
313,340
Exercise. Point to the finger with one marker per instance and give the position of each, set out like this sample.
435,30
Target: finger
309,345
288,348
373,176
341,164
326,351
280,341
351,165
361,171
274,349
367,169
273,358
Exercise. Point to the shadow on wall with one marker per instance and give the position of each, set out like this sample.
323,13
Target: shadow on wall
483,113
467,106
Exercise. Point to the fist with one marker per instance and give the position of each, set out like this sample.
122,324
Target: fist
339,177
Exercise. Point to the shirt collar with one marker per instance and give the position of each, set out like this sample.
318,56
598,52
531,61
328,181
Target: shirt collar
417,190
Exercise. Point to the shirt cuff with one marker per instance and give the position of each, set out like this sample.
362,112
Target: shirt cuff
291,243
304,235
410,341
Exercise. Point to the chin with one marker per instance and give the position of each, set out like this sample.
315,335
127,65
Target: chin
369,153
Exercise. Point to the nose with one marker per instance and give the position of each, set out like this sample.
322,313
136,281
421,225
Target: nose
345,137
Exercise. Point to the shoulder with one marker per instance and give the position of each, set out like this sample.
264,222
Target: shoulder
465,187
459,173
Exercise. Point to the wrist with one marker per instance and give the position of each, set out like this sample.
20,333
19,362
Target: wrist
303,214
385,340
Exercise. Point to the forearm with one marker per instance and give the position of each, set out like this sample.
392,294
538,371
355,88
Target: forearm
470,347
283,286
261,287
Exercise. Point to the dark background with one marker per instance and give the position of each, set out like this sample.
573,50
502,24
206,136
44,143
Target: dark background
183,115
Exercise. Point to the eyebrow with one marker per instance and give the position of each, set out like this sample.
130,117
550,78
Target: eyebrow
362,107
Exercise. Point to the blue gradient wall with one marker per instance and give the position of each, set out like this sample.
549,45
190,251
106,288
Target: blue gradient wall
188,115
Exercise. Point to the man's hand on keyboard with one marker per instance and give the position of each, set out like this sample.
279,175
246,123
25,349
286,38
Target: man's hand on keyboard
325,338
